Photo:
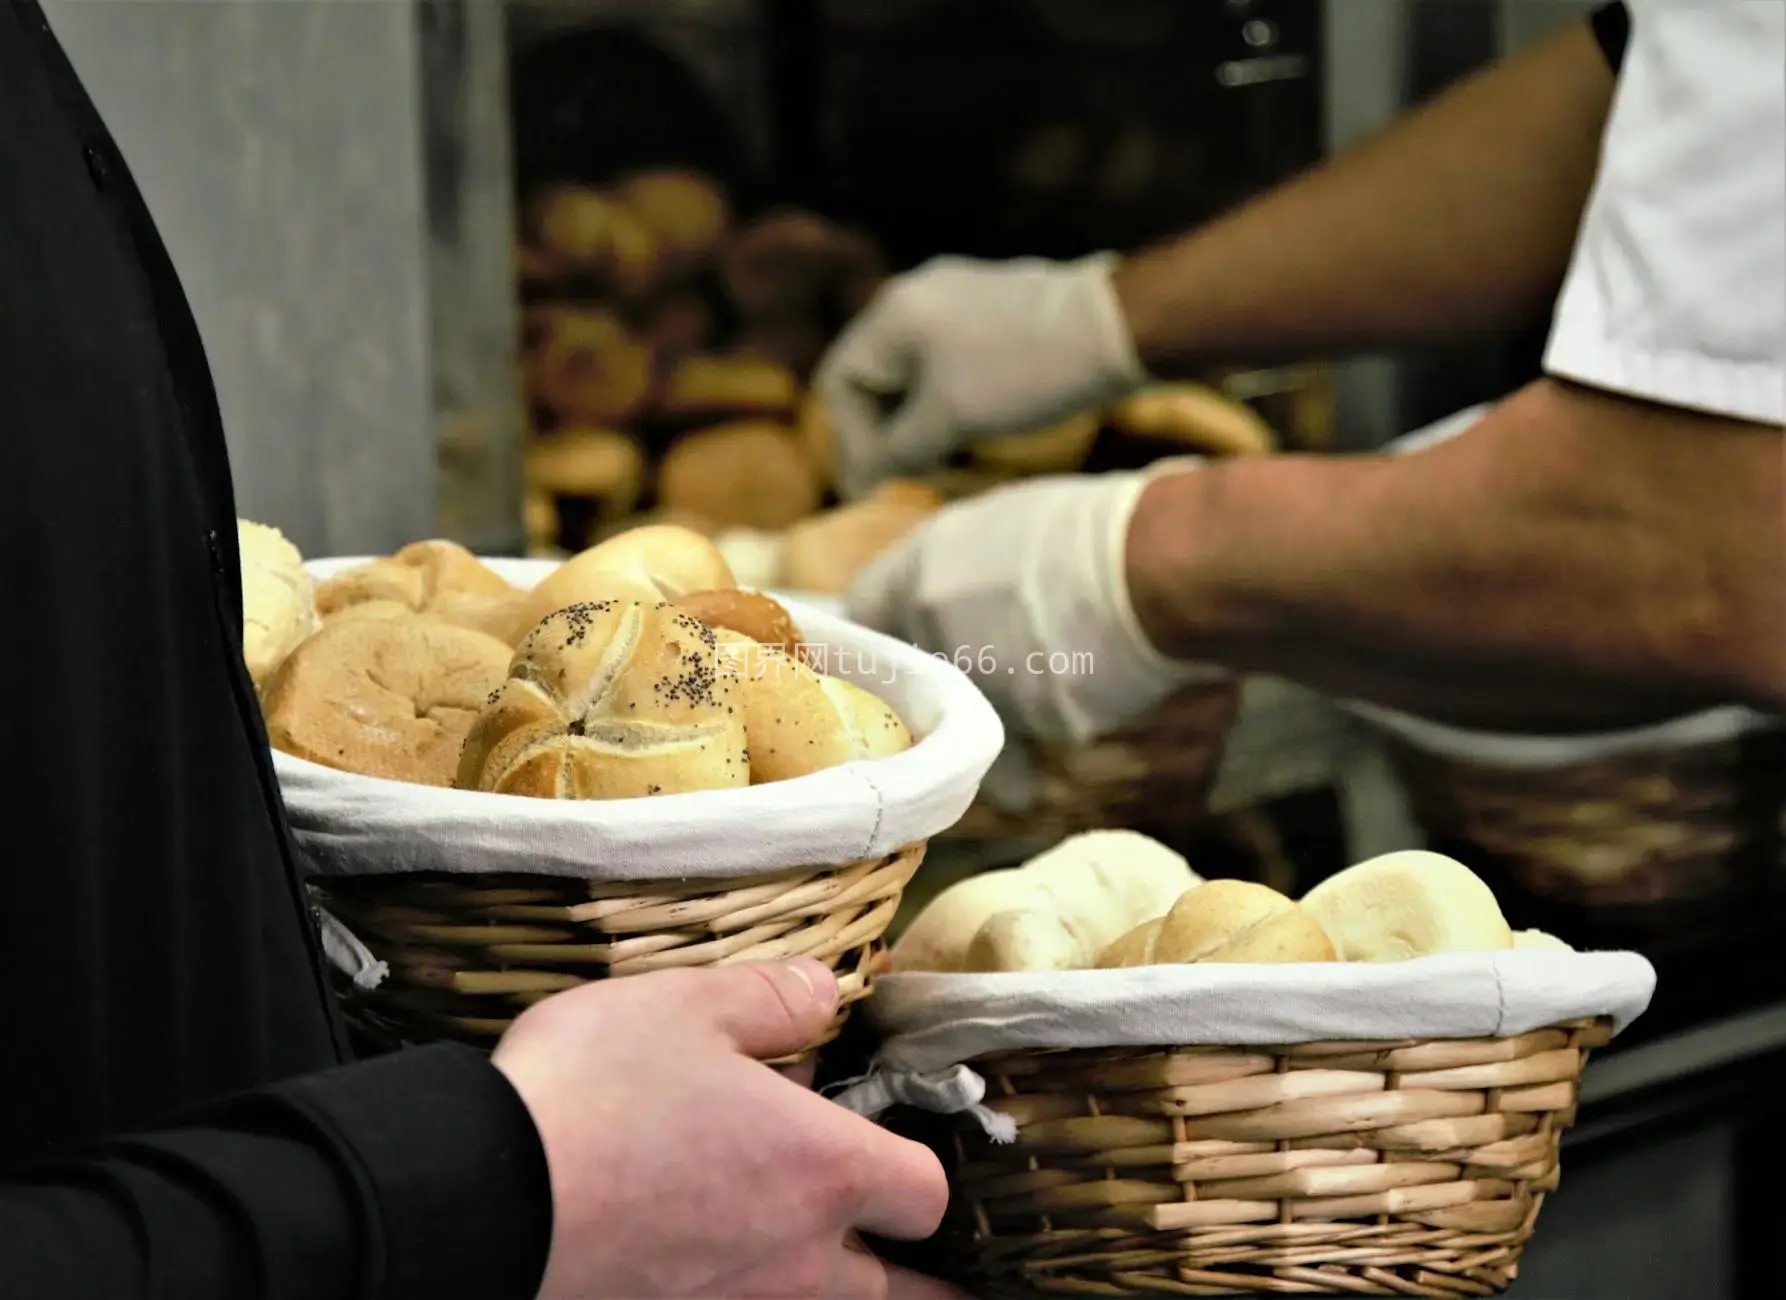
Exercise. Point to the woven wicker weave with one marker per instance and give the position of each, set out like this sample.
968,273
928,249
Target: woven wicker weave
1639,828
1154,777
468,956
1384,1169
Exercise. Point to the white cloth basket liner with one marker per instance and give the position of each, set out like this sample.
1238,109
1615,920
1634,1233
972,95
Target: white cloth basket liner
1491,749
934,1025
346,824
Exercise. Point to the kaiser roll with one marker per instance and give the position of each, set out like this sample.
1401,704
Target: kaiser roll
611,700
434,577
1408,904
751,474
1239,921
278,598
384,697
647,564
761,618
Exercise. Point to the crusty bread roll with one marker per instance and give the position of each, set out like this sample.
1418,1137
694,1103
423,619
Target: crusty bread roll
648,564
1538,940
703,387
278,598
613,700
385,697
586,366
750,474
1024,939
1136,948
601,465
814,429
1060,449
800,721
373,609
1239,921
686,212
1408,904
1200,418
823,554
753,555
763,619
1093,887
433,577
596,234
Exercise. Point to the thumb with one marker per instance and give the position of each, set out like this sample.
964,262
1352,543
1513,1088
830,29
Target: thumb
766,1009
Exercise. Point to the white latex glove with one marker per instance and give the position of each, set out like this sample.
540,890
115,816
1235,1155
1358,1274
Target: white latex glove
960,349
1025,589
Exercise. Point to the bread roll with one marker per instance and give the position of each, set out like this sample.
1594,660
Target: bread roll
372,609
433,577
814,429
800,721
278,598
599,465
1097,886
719,387
753,555
1026,939
824,554
613,700
761,618
752,474
539,516
586,366
1408,904
1239,921
1538,940
1136,948
596,234
385,697
648,564
1057,450
687,213
1200,418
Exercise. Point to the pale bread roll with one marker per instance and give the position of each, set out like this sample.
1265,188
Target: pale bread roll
750,474
937,938
1059,449
1144,876
613,700
1200,418
753,555
278,598
652,563
1136,948
800,721
1408,904
384,697
1027,939
1538,940
1239,921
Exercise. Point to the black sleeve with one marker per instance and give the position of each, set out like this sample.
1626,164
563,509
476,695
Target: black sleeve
414,1175
1612,28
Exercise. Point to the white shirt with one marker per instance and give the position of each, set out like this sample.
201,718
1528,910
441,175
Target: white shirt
1677,290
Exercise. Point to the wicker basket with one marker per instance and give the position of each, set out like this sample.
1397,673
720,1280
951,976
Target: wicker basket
466,958
1674,821
1384,1169
429,954
1154,777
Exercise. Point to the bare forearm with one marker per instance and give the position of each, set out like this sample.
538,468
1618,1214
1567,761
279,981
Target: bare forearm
1458,219
1576,561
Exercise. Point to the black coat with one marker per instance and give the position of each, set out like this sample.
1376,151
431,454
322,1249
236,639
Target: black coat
156,950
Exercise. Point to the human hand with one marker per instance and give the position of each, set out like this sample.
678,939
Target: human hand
1025,589
961,349
682,1166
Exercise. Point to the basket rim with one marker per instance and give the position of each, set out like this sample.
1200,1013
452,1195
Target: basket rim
351,824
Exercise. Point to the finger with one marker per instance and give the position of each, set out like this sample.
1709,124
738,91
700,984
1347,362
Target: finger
856,1275
919,435
803,1073
906,1192
765,1009
903,1284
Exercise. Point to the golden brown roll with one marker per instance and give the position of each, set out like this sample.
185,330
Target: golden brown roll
385,697
649,564
800,721
595,234
1136,948
1199,418
586,366
686,212
438,578
601,465
816,434
750,613
1057,450
612,700
703,387
751,474
824,554
1237,921
278,598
